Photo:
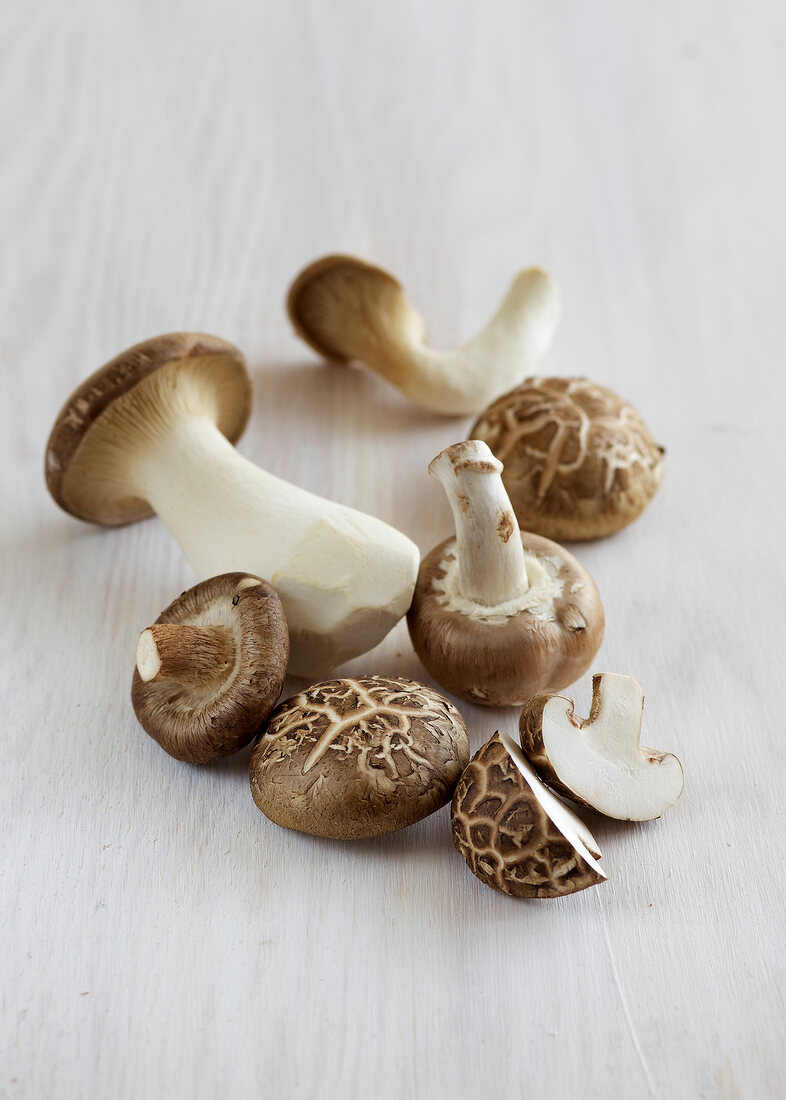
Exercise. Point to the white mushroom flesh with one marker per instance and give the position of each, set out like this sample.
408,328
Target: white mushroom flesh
601,760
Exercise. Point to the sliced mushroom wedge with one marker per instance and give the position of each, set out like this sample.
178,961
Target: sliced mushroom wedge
598,761
514,833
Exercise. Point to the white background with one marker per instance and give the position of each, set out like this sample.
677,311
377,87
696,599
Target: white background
172,165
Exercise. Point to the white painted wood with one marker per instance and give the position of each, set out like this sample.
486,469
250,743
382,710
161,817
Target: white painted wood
172,165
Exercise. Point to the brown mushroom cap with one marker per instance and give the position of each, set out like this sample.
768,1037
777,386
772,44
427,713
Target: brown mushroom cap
580,463
87,455
358,757
497,662
516,836
208,721
341,294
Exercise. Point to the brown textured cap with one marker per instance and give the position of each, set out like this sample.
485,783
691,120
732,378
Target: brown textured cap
121,375
215,719
580,463
358,757
514,834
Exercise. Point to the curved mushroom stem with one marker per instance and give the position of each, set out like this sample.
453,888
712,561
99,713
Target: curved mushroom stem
194,656
491,563
348,309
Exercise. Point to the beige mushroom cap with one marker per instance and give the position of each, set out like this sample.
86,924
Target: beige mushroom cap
98,429
501,661
335,304
355,758
580,463
514,834
201,702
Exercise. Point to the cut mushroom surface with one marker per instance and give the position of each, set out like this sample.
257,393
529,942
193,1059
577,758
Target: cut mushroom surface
580,463
499,614
599,761
153,431
515,835
358,757
211,668
348,309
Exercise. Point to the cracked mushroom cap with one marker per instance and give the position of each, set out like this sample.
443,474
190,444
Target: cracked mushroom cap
91,448
355,758
580,463
211,668
515,835
500,656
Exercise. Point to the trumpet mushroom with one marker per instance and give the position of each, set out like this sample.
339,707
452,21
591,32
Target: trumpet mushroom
348,309
598,761
358,757
153,431
211,668
514,834
499,614
580,463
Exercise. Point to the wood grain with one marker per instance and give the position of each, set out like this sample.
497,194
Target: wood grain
171,166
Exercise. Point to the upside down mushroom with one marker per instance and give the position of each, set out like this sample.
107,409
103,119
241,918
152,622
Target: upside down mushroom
499,614
152,431
348,309
211,668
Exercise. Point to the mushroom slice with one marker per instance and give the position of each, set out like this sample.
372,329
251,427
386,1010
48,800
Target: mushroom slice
598,761
358,757
580,463
499,614
211,668
153,431
348,309
514,833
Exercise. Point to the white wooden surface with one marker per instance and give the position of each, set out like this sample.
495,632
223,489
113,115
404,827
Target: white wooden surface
172,165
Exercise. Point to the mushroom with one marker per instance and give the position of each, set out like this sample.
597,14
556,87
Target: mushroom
580,463
358,757
211,668
153,431
598,761
499,614
348,309
514,834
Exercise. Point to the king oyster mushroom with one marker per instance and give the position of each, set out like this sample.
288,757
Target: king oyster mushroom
598,761
211,668
153,431
348,309
499,614
358,757
580,463
514,834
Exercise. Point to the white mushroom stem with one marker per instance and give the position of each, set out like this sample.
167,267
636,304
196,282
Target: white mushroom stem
193,656
464,381
345,578
491,561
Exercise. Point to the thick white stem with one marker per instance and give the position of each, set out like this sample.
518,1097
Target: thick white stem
491,562
501,355
344,577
